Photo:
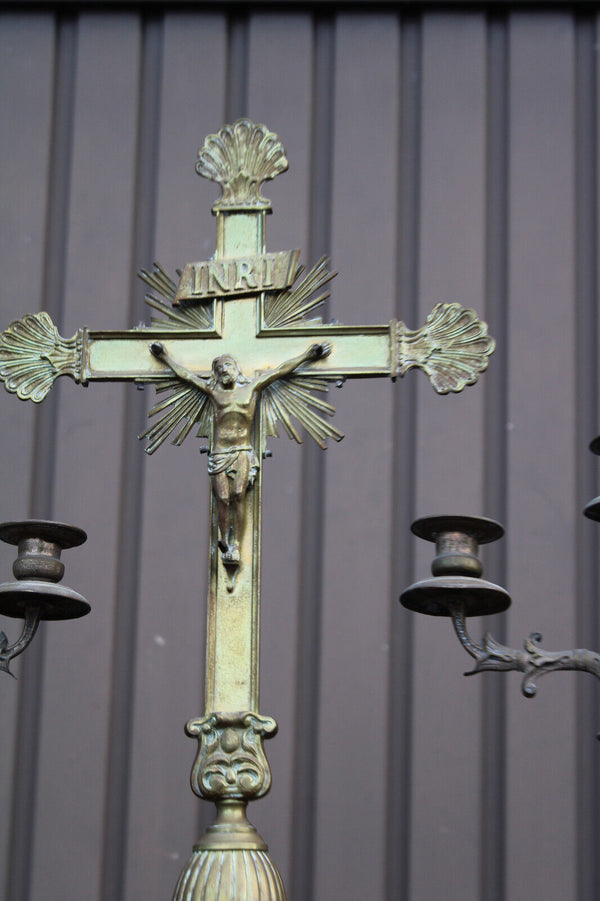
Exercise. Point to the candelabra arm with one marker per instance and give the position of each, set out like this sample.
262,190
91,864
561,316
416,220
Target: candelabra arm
534,661
8,652
457,612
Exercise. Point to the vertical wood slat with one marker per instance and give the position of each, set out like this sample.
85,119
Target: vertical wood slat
450,456
87,490
493,694
404,422
119,763
310,575
355,592
41,496
27,50
588,621
236,88
541,491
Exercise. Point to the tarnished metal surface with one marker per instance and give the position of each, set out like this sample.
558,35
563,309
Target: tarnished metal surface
35,596
457,591
31,620
456,568
532,660
226,873
239,158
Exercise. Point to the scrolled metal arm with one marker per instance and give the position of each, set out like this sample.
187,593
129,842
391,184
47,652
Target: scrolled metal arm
534,661
8,652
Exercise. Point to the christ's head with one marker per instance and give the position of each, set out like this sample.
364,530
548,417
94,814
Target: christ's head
226,370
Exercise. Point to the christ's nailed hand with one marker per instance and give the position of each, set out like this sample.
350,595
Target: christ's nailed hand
320,350
157,349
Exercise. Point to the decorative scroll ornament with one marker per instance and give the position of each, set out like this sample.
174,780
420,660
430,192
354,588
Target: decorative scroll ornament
457,590
231,762
240,157
534,661
33,355
452,348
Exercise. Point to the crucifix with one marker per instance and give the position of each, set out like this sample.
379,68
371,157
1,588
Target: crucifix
237,352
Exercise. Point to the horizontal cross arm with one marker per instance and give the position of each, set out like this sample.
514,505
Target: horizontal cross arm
33,355
452,348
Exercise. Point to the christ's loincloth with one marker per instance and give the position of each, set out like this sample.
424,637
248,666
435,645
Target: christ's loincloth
227,462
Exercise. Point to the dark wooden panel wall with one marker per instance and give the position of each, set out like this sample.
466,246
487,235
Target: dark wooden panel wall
434,155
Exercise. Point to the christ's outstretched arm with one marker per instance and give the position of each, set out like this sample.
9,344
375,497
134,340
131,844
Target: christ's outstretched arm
314,352
159,351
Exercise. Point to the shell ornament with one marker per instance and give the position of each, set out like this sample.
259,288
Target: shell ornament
240,157
33,355
452,348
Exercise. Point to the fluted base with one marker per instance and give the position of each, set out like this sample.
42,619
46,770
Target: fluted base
227,875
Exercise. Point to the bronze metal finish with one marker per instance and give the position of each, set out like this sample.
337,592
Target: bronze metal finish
238,352
463,593
533,660
456,568
35,596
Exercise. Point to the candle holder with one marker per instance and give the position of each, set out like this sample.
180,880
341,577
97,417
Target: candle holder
35,595
458,591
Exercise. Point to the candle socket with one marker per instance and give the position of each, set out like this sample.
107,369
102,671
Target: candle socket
38,568
456,568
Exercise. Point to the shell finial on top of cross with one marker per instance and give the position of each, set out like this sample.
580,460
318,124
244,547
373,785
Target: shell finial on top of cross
240,157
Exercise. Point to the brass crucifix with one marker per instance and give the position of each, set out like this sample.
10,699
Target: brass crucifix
238,351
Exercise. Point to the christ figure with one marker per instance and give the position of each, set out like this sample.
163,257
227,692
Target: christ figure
232,462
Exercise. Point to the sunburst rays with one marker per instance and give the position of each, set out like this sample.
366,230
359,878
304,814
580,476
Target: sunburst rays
291,307
185,316
290,399
294,402
179,412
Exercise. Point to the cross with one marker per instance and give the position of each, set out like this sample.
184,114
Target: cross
237,352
